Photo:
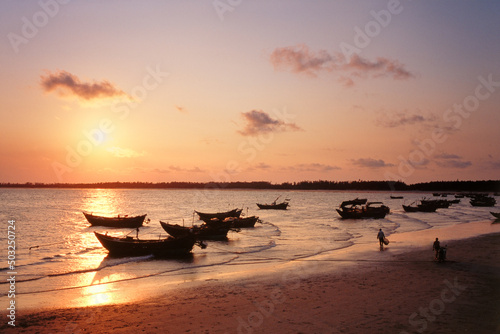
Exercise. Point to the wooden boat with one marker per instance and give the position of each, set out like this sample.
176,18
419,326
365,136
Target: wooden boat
118,221
356,201
273,206
420,208
483,201
496,214
219,215
376,210
241,222
438,203
202,232
130,246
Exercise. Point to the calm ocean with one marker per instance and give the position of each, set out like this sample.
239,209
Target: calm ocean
56,249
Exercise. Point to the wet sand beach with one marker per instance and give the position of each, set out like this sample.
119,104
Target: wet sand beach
399,293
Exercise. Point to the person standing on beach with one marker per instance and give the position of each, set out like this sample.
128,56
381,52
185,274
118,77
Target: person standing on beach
380,237
436,247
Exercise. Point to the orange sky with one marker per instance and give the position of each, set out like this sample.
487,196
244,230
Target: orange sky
261,90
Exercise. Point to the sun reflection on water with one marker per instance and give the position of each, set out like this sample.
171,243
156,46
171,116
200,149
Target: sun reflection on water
102,289
101,201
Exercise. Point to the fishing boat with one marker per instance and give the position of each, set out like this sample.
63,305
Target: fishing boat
420,208
202,232
241,222
219,215
483,201
130,246
118,221
438,203
356,201
376,210
496,214
274,205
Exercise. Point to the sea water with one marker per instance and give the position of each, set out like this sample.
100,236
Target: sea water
60,263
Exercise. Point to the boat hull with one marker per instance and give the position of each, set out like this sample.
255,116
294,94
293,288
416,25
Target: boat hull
420,208
279,206
120,222
133,247
355,214
219,215
203,232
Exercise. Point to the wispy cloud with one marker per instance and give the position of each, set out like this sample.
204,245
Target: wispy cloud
392,120
67,84
181,109
451,161
313,167
494,164
119,152
183,169
299,59
370,163
257,122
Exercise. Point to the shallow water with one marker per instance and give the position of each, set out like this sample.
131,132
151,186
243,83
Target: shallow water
57,253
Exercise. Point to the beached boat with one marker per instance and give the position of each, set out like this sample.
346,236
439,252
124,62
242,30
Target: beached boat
483,201
420,208
202,232
438,203
396,197
241,222
496,214
219,215
376,210
130,246
118,221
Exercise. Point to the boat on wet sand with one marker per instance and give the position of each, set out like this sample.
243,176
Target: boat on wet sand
130,246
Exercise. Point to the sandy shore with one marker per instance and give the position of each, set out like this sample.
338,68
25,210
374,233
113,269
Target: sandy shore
405,293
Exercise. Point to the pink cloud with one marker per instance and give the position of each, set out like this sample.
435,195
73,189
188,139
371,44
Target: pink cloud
66,83
299,59
258,121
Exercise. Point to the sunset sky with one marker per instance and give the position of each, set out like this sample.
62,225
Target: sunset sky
240,90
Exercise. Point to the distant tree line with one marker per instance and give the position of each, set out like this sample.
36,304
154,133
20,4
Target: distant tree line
448,186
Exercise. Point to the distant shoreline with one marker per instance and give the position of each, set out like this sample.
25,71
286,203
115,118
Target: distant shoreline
433,186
